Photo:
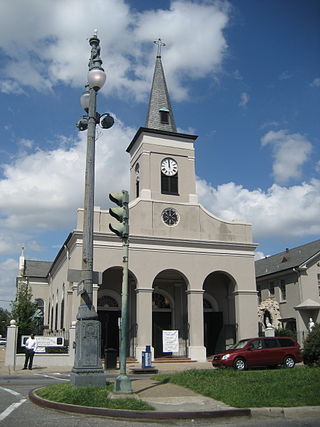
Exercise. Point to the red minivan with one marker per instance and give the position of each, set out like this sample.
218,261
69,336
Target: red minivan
262,351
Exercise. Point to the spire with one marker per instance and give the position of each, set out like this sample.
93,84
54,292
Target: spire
21,262
160,114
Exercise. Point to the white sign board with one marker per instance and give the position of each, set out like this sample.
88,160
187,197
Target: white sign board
170,341
44,341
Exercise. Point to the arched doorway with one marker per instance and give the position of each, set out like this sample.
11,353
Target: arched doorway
219,312
169,310
109,312
212,323
109,309
161,320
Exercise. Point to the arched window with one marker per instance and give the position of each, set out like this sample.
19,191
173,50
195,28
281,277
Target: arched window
62,314
159,301
107,301
51,317
49,314
40,304
38,316
206,304
56,318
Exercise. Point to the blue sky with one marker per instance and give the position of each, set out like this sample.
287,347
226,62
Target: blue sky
243,75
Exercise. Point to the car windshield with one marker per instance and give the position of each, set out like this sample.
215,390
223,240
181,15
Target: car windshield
240,344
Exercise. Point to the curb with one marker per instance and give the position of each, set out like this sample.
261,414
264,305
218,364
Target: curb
292,412
137,415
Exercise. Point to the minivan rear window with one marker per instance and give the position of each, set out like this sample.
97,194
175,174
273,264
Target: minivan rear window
284,342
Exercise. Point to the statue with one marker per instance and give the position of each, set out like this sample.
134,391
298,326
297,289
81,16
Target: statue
38,319
311,324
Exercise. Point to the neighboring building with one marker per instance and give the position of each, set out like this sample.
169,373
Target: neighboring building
189,271
288,285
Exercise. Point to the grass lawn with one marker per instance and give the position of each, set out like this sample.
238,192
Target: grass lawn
90,396
255,388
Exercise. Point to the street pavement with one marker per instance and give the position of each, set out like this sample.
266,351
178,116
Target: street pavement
171,402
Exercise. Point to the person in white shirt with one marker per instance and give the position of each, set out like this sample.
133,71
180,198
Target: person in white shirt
31,346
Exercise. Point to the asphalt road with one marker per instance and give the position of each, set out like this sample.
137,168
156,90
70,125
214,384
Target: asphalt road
16,410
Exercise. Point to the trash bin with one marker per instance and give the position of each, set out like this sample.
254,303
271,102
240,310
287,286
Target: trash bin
110,358
146,357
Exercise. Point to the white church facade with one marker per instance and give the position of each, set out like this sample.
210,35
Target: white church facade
189,271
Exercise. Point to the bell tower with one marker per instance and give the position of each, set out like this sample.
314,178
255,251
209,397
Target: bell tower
162,159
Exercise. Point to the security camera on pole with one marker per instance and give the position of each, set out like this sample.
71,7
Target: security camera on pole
87,369
121,229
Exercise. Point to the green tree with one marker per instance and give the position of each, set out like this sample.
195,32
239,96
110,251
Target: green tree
284,332
24,309
311,347
5,318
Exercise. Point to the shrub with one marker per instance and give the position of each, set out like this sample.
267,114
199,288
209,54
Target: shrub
311,348
284,332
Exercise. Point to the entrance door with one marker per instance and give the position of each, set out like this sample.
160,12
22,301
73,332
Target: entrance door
109,329
213,323
161,320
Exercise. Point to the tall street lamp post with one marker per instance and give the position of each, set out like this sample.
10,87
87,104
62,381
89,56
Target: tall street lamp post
87,369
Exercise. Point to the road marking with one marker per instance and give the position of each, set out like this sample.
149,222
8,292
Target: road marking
10,409
52,377
15,393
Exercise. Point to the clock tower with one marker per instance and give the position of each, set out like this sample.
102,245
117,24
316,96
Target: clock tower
162,169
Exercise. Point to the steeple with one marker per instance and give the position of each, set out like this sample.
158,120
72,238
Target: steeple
160,114
21,262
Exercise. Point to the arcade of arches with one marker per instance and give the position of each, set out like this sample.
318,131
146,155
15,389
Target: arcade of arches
169,309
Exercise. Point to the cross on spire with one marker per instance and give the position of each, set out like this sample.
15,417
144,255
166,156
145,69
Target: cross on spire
159,43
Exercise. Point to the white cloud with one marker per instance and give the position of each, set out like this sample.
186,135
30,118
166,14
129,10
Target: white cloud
279,211
315,82
10,87
285,75
290,152
45,43
272,123
8,273
258,255
244,99
42,190
27,143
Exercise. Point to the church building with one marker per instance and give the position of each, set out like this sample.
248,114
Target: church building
189,271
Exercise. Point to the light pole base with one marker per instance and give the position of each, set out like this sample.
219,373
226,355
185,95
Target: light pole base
85,379
87,369
122,385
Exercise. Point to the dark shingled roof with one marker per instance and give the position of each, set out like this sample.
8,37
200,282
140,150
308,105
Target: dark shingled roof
159,100
288,259
37,268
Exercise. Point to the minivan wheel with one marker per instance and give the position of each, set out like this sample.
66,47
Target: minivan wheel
289,362
239,364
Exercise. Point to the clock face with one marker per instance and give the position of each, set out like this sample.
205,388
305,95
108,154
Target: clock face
170,216
169,166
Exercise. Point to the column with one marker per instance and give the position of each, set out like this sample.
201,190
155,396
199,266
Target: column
196,349
144,321
246,313
180,317
11,348
75,301
72,342
95,289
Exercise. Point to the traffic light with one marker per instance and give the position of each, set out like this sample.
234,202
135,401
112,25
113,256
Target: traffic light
121,214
